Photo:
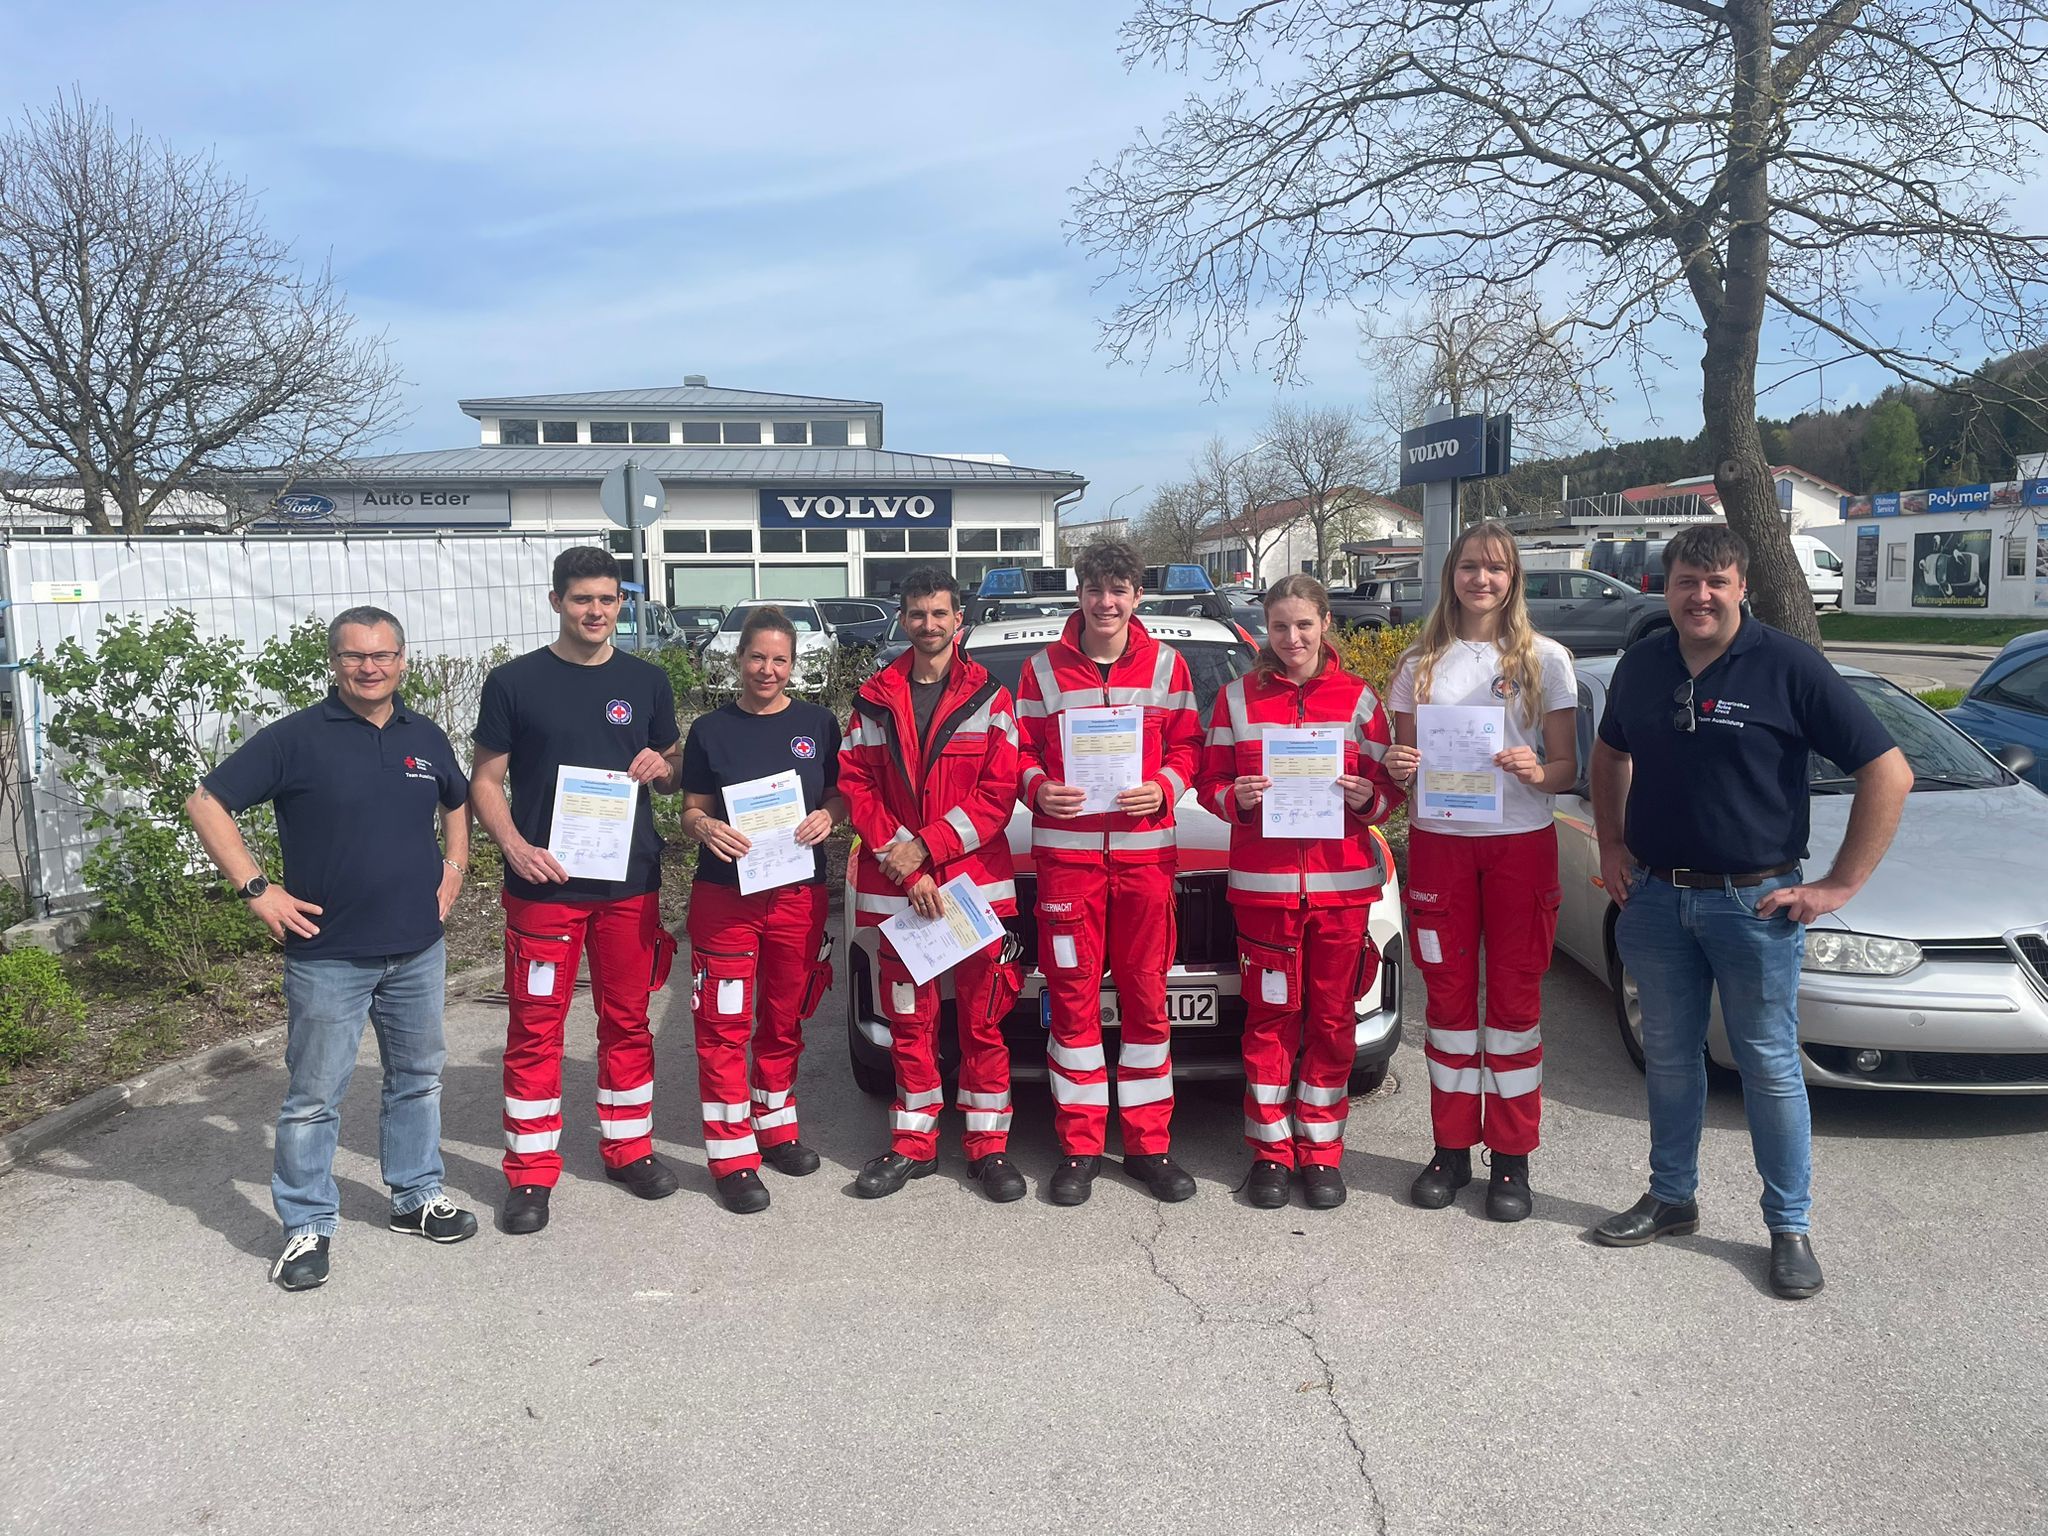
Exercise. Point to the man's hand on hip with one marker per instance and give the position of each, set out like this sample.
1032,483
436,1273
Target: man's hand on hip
282,912
1615,867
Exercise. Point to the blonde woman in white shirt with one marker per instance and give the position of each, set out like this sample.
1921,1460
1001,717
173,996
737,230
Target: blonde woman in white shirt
1485,885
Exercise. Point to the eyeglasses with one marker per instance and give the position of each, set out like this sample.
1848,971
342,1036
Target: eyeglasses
1683,718
356,660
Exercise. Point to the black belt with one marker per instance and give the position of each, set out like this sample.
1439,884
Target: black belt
1707,880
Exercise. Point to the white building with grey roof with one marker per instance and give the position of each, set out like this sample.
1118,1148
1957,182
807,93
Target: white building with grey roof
769,495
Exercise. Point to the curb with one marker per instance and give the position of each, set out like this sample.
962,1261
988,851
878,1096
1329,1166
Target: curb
102,1104
1910,648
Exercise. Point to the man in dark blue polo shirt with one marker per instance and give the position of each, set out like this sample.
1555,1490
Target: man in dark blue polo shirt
356,780
1700,797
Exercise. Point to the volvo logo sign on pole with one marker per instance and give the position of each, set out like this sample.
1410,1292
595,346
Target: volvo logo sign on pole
633,498
1436,456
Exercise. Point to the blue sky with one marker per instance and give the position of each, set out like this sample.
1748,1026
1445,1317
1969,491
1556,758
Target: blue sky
860,201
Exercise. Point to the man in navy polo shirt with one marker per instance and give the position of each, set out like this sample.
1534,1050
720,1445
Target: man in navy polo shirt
1700,797
356,780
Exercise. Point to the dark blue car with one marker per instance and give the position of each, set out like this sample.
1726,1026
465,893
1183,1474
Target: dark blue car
2008,705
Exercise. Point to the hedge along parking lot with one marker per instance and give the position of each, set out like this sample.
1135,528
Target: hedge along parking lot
1911,629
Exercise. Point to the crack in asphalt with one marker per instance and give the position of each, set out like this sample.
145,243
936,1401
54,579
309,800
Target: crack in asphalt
1292,1322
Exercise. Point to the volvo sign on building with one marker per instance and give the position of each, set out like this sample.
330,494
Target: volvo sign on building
815,507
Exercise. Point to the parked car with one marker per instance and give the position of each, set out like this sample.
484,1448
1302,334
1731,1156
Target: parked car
856,620
894,643
1380,603
1250,617
1203,999
660,624
2008,704
1935,976
1588,613
1639,565
697,623
815,641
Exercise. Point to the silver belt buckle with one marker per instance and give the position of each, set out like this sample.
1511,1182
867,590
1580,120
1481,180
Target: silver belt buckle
1678,879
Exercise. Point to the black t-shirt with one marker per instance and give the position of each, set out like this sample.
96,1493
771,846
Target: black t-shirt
924,703
546,713
1731,795
730,746
355,816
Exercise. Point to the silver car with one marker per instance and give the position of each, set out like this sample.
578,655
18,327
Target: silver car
1935,976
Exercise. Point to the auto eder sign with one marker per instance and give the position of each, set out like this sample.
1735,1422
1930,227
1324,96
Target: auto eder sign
872,509
397,506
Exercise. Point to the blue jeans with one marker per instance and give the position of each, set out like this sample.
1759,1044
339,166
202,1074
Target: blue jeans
326,1002
1680,945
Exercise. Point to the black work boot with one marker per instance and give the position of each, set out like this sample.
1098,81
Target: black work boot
525,1208
790,1157
1073,1181
1449,1171
888,1173
1322,1186
1507,1191
648,1177
1266,1185
1159,1173
998,1177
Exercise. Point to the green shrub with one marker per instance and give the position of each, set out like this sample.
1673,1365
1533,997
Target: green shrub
38,1009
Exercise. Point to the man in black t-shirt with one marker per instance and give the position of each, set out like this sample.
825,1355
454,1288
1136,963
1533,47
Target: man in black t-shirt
584,728
1700,794
355,781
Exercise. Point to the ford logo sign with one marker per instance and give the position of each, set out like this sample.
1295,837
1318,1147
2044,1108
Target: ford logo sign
304,507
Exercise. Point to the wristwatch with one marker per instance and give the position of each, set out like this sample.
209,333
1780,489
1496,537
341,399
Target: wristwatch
256,887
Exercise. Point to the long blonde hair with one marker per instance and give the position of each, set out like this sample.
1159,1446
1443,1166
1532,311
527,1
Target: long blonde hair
1515,636
1305,588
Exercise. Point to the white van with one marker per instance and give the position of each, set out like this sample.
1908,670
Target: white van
1821,567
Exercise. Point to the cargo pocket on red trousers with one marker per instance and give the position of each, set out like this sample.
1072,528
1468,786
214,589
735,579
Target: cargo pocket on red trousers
1066,945
818,982
1543,928
664,960
722,983
539,967
1368,968
1272,972
1005,977
897,993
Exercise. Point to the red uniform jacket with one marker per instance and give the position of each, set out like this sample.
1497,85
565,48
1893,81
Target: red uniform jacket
954,792
1299,871
1148,674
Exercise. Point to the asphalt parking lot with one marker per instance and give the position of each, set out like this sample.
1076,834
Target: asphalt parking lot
932,1363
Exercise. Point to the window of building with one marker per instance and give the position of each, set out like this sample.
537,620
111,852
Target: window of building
978,540
884,578
782,541
970,572
682,541
518,432
742,431
701,433
825,541
888,541
930,541
732,541
558,431
828,434
608,432
1895,562
650,431
2016,556
792,433
620,541
1020,539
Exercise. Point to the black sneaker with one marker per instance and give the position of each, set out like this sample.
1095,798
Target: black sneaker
648,1177
1507,1190
1266,1185
303,1264
440,1220
525,1208
742,1192
1160,1174
790,1157
1074,1179
1449,1171
998,1177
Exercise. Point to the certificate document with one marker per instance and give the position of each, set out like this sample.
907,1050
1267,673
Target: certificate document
766,812
591,833
1458,781
1303,799
1103,752
930,945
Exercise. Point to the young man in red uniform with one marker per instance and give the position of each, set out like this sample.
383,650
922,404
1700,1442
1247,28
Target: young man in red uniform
579,703
928,766
1105,879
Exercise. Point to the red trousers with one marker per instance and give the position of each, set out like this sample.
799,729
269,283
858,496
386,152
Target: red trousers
1500,891
1120,915
629,954
1304,970
753,958
984,988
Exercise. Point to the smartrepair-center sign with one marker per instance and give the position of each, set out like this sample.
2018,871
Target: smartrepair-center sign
835,508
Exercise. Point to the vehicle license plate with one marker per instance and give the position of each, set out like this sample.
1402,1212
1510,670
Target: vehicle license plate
1186,1008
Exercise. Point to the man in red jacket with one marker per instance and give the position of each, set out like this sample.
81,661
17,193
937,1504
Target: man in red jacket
1105,878
928,766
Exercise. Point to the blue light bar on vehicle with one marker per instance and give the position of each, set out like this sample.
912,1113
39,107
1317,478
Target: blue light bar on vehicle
1186,578
1024,581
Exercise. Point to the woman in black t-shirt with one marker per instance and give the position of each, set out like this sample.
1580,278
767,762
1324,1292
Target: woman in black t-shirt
760,956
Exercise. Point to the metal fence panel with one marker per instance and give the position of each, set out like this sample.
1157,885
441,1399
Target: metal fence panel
458,595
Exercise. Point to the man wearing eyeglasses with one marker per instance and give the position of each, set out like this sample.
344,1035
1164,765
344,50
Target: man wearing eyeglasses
356,781
1700,798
